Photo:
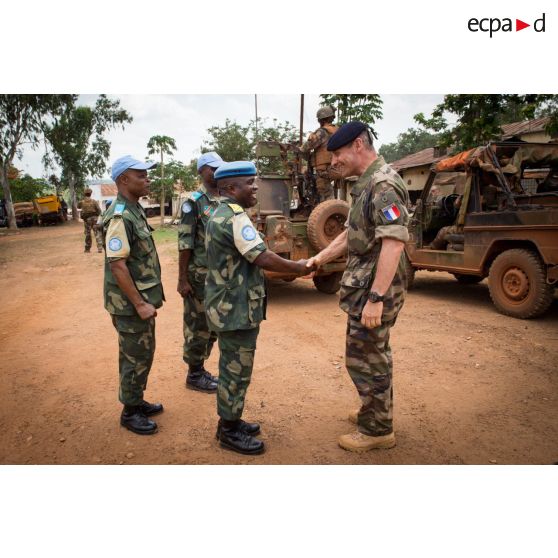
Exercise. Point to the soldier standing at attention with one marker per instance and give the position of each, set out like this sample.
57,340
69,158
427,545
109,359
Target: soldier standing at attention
373,285
132,289
192,270
90,211
316,149
235,298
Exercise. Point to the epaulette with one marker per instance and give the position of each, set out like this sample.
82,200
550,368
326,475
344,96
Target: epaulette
196,196
119,208
385,172
236,208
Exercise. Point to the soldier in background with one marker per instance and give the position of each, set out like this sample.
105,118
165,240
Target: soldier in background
315,149
192,270
90,211
235,298
132,290
373,285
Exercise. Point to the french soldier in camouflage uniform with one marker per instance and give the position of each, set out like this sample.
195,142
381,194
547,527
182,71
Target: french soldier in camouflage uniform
192,266
90,212
373,285
315,148
132,290
235,298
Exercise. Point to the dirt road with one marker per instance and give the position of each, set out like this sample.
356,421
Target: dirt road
471,385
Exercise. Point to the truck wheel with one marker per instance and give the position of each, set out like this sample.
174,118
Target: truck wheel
149,212
467,279
517,284
328,284
327,221
409,272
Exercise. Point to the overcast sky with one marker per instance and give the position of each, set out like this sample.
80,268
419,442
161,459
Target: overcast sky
186,118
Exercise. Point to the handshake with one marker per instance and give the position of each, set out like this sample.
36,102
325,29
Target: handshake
307,267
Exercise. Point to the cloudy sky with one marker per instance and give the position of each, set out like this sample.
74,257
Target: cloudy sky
186,118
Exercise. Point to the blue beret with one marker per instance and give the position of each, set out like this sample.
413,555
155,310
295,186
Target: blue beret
235,168
346,134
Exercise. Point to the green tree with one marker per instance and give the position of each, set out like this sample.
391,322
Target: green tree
411,141
232,141
26,188
366,108
480,117
161,145
22,121
78,143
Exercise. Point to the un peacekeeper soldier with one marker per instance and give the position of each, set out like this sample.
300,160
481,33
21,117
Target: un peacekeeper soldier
235,298
192,269
132,289
316,148
373,285
90,211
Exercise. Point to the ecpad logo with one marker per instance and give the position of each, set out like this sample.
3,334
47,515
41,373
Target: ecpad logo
494,24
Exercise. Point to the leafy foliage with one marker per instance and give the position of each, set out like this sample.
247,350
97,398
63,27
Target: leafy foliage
480,117
411,141
366,108
27,188
175,171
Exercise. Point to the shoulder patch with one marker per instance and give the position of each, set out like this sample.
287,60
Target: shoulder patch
186,207
119,208
236,208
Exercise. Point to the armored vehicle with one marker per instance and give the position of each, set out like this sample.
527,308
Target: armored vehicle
289,215
497,218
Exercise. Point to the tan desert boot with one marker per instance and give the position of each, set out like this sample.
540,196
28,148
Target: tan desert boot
359,442
353,416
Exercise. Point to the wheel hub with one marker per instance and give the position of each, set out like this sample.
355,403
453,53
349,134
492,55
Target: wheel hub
515,284
333,227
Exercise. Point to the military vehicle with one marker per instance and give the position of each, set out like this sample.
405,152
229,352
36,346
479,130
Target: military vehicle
497,219
295,225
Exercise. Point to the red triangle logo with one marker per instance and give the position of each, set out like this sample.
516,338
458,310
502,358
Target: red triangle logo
519,25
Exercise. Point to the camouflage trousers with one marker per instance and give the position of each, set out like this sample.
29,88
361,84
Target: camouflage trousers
237,349
198,340
90,225
136,348
370,366
440,242
324,185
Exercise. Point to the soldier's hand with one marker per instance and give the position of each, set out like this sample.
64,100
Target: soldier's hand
302,267
312,265
184,288
372,314
146,310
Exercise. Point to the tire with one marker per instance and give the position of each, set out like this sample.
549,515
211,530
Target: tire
326,221
328,284
467,279
149,212
409,273
517,284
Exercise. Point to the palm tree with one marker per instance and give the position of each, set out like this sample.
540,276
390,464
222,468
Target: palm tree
164,145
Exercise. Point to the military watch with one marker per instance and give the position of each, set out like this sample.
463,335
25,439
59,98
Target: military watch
373,296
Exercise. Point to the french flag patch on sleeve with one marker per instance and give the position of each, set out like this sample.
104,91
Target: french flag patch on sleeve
391,212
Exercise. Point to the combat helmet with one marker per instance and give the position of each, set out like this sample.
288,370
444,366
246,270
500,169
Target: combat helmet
325,112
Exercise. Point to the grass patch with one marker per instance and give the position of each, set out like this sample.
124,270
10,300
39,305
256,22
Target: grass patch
165,234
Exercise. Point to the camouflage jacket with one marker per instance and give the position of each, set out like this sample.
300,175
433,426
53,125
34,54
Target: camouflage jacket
127,235
316,146
379,211
89,208
235,295
195,213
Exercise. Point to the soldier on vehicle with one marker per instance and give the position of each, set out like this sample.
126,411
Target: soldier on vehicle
315,149
132,290
192,270
90,211
235,298
373,285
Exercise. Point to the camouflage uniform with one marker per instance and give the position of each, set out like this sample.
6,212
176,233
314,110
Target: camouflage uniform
320,159
127,235
90,210
198,339
235,301
379,211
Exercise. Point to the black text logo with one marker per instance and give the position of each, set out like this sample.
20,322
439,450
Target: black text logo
495,24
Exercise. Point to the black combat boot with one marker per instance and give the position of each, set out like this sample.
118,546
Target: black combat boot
233,437
135,420
150,409
252,428
200,379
